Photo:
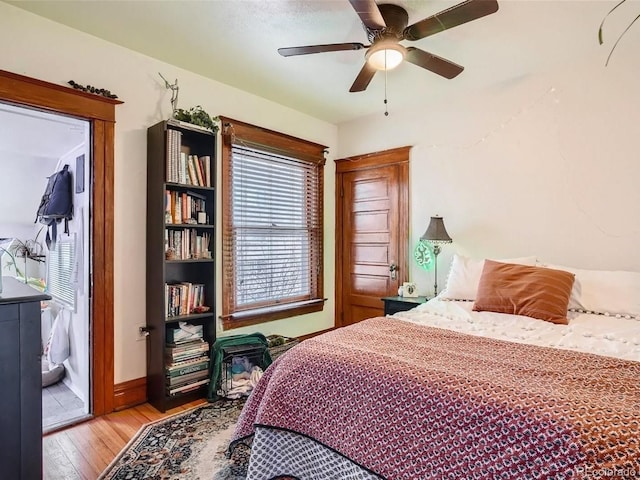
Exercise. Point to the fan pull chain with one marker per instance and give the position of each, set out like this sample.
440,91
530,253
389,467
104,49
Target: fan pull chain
386,109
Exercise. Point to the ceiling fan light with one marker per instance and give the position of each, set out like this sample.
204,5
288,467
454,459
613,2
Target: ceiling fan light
386,56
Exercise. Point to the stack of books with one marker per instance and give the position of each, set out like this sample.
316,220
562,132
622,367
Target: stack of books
174,141
187,359
183,207
183,298
184,168
186,244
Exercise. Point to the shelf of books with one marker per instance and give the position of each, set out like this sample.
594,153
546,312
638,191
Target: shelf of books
180,261
186,359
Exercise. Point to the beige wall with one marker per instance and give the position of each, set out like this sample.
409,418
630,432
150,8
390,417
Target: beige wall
547,166
42,49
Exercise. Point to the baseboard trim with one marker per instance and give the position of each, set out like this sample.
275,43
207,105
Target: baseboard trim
311,335
130,393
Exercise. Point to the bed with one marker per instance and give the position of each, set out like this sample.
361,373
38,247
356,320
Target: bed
455,389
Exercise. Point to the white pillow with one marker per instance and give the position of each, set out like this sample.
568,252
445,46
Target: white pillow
605,291
464,276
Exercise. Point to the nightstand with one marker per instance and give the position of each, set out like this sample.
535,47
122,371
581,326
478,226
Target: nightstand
401,304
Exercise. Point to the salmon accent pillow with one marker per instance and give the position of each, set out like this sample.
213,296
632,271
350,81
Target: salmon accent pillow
531,291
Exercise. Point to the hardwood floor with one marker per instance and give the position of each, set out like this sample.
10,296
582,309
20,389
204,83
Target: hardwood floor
83,451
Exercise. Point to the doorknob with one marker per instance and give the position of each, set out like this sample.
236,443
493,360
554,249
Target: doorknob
393,268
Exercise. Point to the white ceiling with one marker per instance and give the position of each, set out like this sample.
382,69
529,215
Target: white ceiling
236,42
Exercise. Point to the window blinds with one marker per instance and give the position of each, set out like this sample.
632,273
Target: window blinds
60,266
274,243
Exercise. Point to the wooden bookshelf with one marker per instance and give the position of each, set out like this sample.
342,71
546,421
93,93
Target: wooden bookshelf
176,193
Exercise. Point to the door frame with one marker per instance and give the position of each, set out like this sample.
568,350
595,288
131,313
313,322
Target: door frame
100,113
396,156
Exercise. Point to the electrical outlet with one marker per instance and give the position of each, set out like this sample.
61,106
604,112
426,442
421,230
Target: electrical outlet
141,332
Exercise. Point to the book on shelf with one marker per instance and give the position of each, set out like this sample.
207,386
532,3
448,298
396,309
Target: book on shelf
188,347
182,356
178,168
189,366
193,178
183,298
188,387
177,380
207,170
197,168
168,208
174,140
192,345
193,353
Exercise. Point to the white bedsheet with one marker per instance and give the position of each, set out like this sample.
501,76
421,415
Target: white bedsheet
598,334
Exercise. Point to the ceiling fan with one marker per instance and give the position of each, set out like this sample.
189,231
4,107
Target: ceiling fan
386,26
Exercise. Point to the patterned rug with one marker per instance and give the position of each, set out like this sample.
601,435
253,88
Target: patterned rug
189,445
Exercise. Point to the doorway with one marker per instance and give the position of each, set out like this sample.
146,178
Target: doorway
100,113
34,145
372,225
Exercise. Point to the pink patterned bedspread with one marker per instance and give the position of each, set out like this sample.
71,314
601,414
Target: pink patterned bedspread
406,401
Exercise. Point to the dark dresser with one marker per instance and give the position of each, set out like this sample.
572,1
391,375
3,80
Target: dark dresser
20,381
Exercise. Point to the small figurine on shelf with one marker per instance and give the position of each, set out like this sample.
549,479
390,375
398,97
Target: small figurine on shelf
175,90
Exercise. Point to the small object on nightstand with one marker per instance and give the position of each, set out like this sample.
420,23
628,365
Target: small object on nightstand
401,304
409,289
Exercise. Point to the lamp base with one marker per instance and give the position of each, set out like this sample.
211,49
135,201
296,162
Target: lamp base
436,251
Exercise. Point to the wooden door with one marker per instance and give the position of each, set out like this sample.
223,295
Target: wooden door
372,219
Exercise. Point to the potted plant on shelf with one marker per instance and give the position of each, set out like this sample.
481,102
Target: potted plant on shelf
197,116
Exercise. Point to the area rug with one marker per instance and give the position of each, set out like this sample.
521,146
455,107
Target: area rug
189,445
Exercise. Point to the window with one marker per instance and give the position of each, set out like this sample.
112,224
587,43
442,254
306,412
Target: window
59,272
272,225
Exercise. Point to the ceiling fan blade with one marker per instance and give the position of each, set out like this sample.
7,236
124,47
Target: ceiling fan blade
369,13
363,79
332,47
451,17
433,63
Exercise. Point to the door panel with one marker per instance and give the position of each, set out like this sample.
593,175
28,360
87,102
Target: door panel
375,253
368,284
370,240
